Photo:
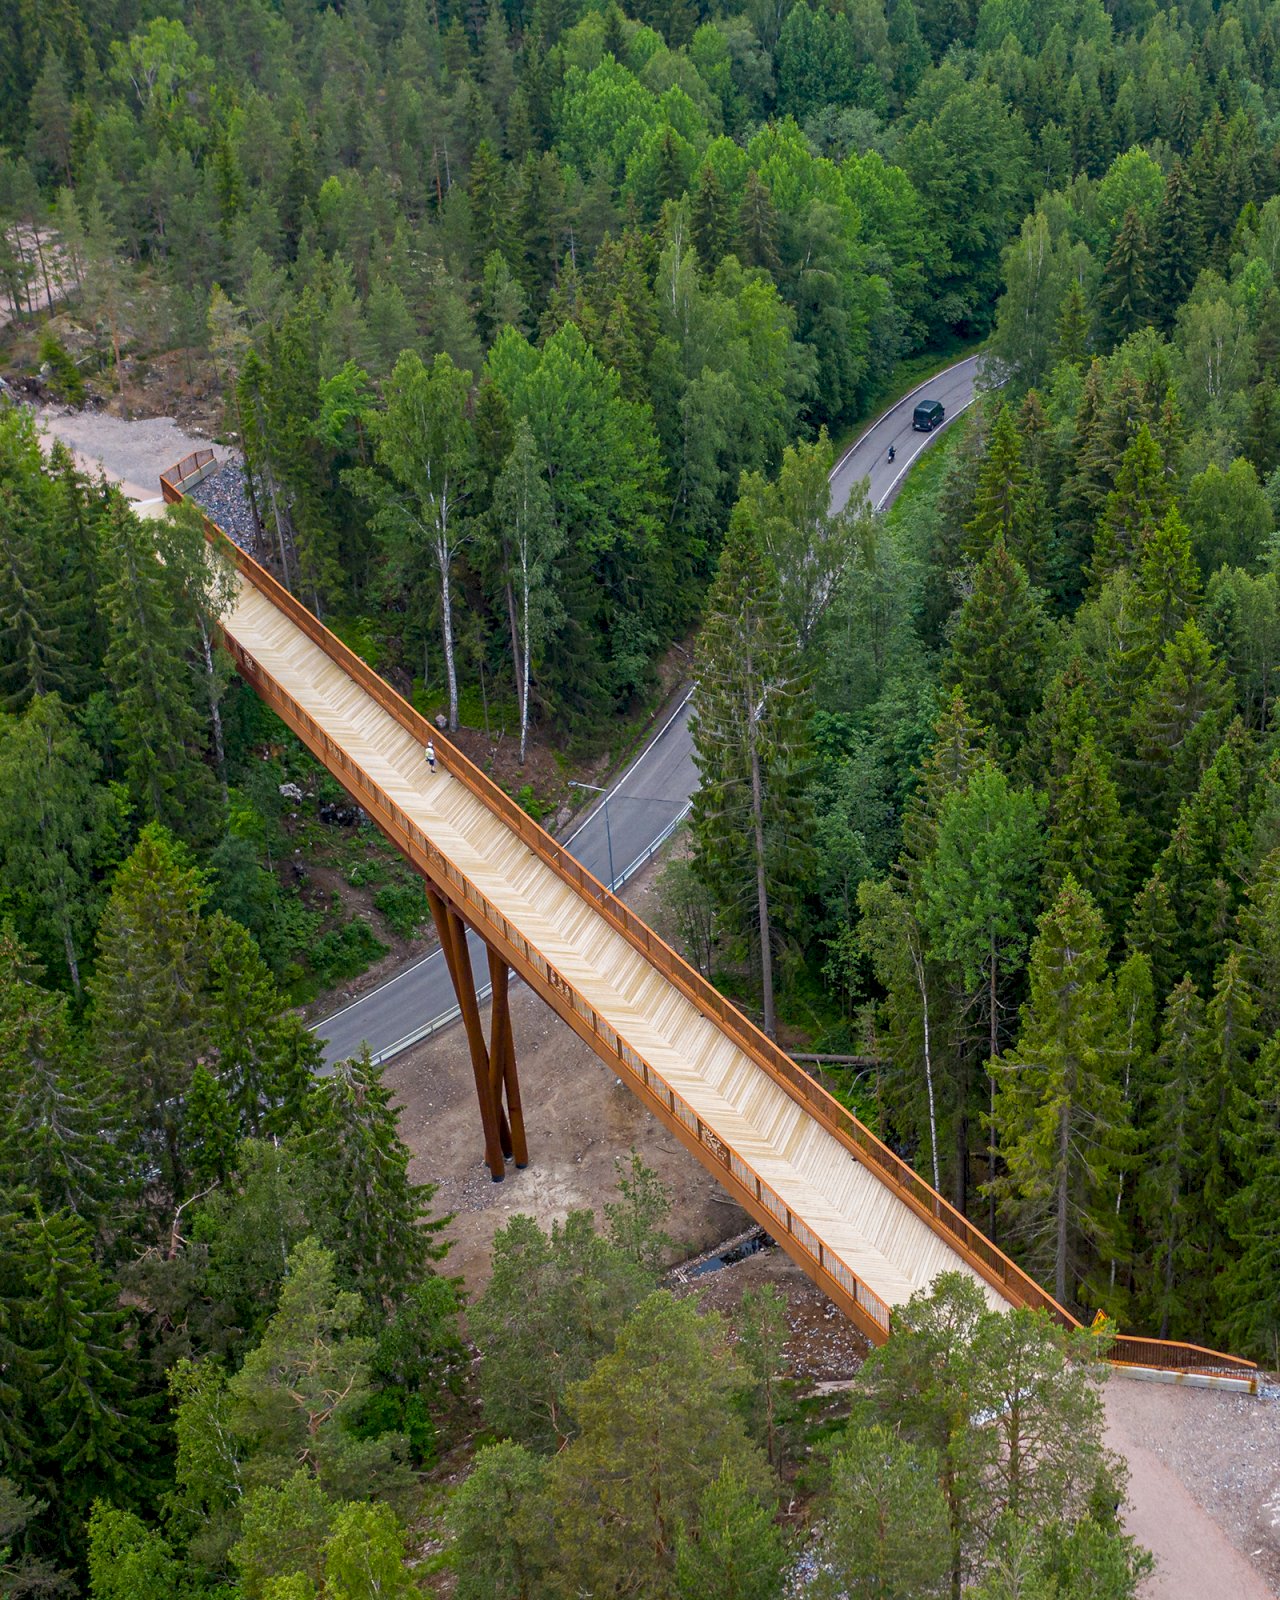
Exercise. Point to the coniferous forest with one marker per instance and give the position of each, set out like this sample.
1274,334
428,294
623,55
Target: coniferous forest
540,327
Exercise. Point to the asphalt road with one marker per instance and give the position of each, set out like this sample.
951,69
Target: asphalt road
654,792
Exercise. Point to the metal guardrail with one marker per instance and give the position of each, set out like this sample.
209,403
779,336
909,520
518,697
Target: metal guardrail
970,1243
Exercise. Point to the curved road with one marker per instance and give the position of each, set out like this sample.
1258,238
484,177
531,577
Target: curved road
621,832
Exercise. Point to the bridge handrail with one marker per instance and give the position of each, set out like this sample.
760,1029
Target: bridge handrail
919,1196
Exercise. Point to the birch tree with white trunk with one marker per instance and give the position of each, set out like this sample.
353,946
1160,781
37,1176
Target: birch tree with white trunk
424,445
525,530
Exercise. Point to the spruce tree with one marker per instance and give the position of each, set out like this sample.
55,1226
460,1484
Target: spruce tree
998,646
355,1139
58,1126
749,746
1006,505
161,731
1168,587
1152,930
1072,342
1125,295
1088,836
1258,941
86,1423
1221,1109
58,825
1251,1286
1179,245
1133,507
265,1057
1204,859
1176,726
712,219
149,1003
1166,1201
956,752
1060,1119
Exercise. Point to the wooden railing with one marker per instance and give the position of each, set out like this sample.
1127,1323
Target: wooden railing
898,1176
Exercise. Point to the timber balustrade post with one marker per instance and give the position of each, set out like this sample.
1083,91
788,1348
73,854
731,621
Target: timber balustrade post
502,1055
453,941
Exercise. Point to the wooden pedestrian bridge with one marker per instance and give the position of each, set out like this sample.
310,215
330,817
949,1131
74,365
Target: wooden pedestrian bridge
863,1225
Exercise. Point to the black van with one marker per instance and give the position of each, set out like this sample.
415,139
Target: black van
928,416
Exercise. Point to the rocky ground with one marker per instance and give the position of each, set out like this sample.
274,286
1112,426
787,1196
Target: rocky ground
224,495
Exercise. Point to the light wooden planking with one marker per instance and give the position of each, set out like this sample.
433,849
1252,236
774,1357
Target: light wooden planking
856,1217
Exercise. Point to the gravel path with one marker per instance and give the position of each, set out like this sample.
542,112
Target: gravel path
132,454
1204,1488
226,499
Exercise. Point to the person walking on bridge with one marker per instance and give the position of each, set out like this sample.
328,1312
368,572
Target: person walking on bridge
430,753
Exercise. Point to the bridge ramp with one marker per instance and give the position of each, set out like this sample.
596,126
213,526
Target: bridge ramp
858,1220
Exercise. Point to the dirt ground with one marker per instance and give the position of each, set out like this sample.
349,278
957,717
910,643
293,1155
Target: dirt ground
579,1119
1204,1489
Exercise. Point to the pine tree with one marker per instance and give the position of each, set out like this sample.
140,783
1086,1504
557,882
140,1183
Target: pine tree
1059,1116
552,1308
1088,837
654,1431
354,1136
500,1518
739,1552
748,747
998,646
886,1531
296,1400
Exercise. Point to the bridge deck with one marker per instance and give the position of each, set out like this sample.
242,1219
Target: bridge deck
855,1216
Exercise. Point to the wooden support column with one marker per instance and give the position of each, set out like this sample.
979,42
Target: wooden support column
453,941
502,1055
